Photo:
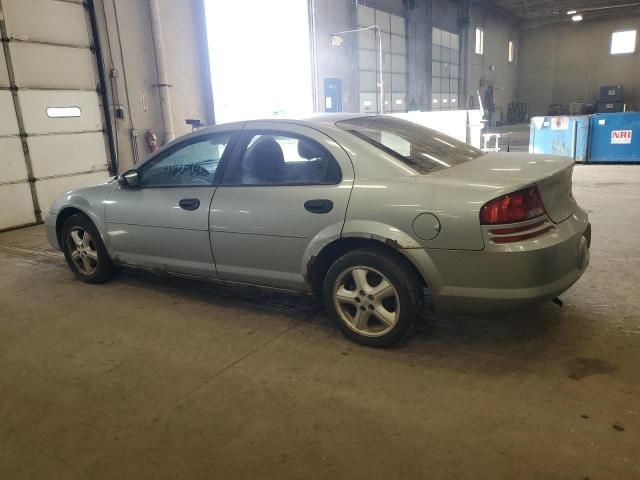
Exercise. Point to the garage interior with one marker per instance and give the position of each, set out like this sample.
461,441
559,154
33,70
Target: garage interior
155,377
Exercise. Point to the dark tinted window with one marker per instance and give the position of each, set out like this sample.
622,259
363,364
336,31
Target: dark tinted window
421,148
273,158
193,163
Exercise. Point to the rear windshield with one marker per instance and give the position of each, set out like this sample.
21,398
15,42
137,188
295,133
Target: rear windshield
421,148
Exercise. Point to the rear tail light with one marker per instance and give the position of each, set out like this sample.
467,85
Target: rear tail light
516,207
513,208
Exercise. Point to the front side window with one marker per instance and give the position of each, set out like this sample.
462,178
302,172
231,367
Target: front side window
420,148
193,163
274,158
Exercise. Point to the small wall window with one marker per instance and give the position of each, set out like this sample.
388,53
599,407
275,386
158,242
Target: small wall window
623,42
479,41
510,52
63,112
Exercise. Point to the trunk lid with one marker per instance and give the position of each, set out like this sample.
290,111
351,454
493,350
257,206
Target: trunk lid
512,171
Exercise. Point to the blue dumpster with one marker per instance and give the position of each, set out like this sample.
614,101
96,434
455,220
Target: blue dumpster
566,136
614,137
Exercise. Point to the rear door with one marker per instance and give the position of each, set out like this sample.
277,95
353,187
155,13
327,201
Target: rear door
285,186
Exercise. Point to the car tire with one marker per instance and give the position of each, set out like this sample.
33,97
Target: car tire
374,296
84,250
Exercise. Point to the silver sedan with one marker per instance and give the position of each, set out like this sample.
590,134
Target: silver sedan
366,211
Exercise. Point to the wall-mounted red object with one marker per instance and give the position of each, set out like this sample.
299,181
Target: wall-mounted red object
152,141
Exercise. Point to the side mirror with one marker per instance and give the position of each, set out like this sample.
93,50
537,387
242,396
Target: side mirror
129,179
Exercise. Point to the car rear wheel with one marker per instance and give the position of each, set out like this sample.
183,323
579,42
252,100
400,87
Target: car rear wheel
84,251
374,296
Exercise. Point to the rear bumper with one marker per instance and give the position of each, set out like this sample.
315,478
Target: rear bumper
510,276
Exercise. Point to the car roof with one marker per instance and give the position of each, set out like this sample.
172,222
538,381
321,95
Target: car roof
319,119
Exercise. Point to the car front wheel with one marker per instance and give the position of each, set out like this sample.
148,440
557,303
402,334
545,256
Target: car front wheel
84,251
374,296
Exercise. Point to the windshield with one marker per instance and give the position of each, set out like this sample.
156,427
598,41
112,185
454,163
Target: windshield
421,148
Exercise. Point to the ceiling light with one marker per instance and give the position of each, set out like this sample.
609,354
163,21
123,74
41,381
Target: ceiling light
577,18
572,12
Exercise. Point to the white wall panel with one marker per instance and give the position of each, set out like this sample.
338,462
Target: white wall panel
34,106
397,25
17,206
398,44
49,190
46,66
368,102
12,165
398,64
8,122
4,76
368,39
366,16
46,21
367,60
399,82
65,154
383,20
368,82
386,42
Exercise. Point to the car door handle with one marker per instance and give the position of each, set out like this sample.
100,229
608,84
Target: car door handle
189,203
320,205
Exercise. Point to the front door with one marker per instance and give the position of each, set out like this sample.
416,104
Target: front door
283,189
163,224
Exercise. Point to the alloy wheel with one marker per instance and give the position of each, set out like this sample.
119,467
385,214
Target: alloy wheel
83,251
366,301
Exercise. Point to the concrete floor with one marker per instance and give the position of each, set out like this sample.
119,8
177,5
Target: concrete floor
144,378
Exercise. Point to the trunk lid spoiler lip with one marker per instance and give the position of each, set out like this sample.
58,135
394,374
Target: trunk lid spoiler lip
524,167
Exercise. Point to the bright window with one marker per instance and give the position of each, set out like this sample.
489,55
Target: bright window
623,42
63,112
260,61
510,54
479,41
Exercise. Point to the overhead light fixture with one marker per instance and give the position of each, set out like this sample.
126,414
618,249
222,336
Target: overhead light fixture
572,12
577,18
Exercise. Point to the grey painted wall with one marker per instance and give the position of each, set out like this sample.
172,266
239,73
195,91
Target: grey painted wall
125,36
493,68
569,63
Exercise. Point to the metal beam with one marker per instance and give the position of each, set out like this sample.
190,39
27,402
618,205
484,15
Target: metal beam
555,10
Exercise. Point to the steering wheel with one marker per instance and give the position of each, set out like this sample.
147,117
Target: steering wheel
198,171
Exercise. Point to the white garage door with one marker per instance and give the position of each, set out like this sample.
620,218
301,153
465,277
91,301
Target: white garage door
51,119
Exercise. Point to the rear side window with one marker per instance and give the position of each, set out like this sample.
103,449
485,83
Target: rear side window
421,148
277,158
